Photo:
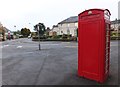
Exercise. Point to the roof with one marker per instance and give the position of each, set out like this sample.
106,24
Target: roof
115,21
6,29
55,26
72,19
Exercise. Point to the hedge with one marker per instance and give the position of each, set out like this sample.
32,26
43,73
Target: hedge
115,38
33,39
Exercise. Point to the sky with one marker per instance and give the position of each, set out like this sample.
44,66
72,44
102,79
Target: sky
27,13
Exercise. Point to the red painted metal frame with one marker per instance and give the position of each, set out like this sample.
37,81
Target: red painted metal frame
92,28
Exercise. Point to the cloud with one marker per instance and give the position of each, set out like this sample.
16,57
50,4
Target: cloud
21,12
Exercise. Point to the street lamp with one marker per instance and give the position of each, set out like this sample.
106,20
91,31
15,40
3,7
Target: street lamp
38,29
41,29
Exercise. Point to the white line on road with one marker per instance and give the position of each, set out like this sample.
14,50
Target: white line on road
19,46
6,45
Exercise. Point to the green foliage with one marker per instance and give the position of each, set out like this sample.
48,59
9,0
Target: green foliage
47,33
41,37
17,32
66,36
113,33
41,29
119,34
25,32
56,37
115,38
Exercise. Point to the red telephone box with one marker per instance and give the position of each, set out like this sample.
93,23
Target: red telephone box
94,44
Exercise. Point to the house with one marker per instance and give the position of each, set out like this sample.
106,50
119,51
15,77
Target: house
4,32
52,33
115,25
67,26
56,29
70,26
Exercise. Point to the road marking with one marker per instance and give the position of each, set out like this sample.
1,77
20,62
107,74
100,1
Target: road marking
6,45
19,46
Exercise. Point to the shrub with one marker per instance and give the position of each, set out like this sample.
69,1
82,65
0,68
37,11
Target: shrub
115,38
41,37
56,37
66,36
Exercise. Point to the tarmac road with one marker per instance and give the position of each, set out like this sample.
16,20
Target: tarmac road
55,64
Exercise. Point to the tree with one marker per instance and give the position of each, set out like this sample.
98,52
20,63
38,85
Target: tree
41,27
17,32
48,29
25,32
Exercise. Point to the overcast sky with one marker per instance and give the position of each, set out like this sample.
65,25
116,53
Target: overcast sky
49,12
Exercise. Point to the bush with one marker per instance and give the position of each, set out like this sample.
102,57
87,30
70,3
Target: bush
41,37
74,38
48,37
66,36
60,36
52,40
115,38
56,37
21,37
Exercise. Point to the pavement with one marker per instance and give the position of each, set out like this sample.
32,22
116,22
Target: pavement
55,64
